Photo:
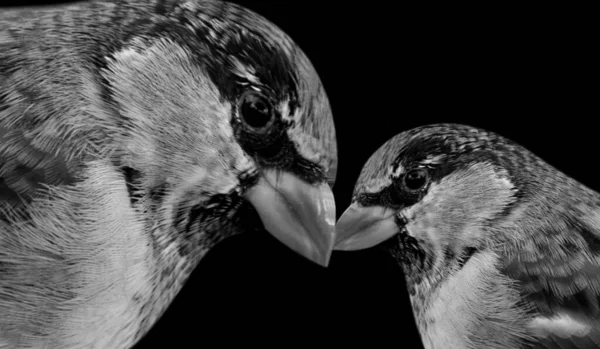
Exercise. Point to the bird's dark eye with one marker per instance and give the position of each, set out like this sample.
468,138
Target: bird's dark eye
255,111
416,179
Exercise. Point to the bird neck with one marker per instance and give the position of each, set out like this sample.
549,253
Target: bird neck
128,262
170,271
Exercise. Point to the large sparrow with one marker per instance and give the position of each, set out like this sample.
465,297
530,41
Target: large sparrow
134,136
499,249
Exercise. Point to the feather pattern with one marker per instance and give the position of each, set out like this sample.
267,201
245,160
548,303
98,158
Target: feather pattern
511,244
121,162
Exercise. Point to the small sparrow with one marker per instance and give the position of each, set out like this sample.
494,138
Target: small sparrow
134,136
499,249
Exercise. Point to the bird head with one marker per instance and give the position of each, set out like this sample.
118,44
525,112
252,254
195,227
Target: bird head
435,195
221,117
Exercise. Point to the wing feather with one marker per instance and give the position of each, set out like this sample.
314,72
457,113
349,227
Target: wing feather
558,273
25,169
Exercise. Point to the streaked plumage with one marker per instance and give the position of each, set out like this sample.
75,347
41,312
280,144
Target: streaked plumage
499,249
134,136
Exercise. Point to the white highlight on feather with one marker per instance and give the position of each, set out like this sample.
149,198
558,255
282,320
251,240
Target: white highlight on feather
561,325
244,71
433,159
396,173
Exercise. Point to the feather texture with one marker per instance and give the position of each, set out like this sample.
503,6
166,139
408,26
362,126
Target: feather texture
124,157
500,250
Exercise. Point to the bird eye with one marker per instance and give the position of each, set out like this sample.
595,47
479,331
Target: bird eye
416,179
255,111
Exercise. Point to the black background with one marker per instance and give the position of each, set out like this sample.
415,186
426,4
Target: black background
525,73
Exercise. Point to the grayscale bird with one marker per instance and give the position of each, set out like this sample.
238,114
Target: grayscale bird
498,248
134,136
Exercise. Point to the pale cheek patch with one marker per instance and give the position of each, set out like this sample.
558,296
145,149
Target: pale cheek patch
177,126
162,89
562,325
460,204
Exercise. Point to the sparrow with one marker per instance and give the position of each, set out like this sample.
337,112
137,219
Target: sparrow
499,249
135,136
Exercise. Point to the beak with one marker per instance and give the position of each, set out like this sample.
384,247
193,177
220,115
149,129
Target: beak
363,227
300,215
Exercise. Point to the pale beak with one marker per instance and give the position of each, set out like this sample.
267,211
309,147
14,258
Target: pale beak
362,227
300,215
